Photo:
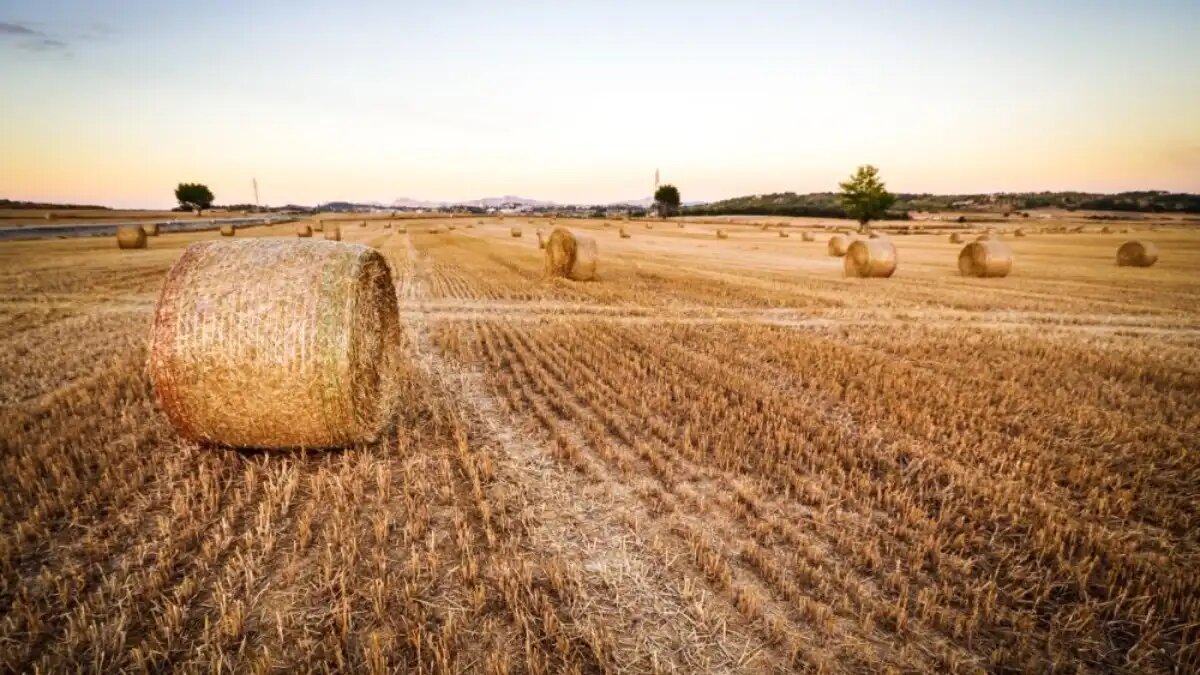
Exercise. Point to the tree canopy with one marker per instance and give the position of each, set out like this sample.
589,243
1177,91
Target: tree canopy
864,196
194,196
666,200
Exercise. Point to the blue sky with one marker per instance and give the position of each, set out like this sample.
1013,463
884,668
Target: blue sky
114,103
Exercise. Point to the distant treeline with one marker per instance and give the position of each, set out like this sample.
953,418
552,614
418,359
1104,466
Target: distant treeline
815,205
13,204
825,204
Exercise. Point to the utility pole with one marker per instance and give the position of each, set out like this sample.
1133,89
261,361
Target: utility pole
254,181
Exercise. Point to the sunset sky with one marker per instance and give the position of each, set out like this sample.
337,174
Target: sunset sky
115,102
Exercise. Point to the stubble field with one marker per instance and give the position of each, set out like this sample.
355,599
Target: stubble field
721,456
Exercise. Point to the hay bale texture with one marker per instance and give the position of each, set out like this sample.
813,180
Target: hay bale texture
131,236
276,343
838,245
333,233
1137,254
227,230
870,258
985,259
303,230
151,229
570,255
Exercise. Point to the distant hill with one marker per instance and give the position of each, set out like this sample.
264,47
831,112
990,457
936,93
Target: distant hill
825,204
13,204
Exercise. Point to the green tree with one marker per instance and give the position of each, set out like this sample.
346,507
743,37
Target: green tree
666,200
194,196
864,196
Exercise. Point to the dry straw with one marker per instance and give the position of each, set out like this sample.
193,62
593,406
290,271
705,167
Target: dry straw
986,236
783,235
541,240
276,343
838,245
387,226
807,236
722,234
151,229
877,235
1137,254
985,259
515,231
571,255
131,236
956,238
875,258
303,230
227,230
333,233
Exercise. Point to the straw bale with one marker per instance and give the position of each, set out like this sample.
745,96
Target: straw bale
303,230
870,258
277,343
624,234
151,229
985,259
227,230
571,255
1019,232
131,236
838,245
722,234
956,238
333,233
1137,253
516,231
807,236
783,235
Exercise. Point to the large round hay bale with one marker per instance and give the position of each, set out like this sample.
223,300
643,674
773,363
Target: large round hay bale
1137,253
783,235
333,233
807,236
722,234
571,255
303,230
874,258
276,343
624,234
838,245
956,238
1019,232
516,231
151,229
131,236
227,230
985,259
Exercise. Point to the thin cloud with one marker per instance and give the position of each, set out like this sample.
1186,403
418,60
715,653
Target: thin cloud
31,39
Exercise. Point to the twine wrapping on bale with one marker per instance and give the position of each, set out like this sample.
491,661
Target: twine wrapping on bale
624,234
722,234
838,245
985,259
956,238
871,258
571,255
276,343
333,233
227,229
303,230
151,229
516,231
1137,253
131,236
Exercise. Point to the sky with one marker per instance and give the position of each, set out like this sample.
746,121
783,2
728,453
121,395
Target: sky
115,102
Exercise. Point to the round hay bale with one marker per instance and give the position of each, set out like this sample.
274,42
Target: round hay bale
541,240
783,235
49,215
276,343
649,226
450,228
1019,232
624,234
319,226
387,226
986,236
956,238
722,234
807,236
363,224
303,230
151,229
870,258
1137,253
227,230
333,233
1106,230
516,231
131,236
985,259
838,245
570,255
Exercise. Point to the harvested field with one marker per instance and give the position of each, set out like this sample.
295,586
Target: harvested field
716,456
